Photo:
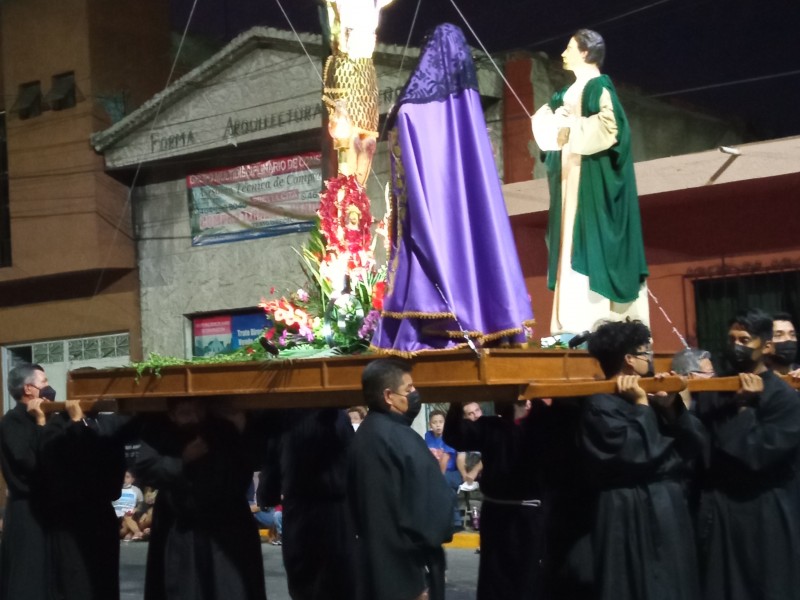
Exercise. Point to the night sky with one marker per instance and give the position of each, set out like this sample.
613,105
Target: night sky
664,47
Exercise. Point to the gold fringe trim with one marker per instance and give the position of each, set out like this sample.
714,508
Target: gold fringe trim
416,315
476,335
406,354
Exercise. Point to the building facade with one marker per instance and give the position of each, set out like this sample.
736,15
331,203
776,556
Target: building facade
69,287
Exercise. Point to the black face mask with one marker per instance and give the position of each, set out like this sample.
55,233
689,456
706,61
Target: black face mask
785,352
414,406
651,369
740,357
47,393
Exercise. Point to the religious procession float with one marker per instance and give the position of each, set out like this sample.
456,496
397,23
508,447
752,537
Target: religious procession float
451,297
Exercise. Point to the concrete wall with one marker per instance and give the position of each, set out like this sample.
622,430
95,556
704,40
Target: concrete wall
658,127
251,85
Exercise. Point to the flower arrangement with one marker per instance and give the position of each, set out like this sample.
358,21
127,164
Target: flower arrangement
339,307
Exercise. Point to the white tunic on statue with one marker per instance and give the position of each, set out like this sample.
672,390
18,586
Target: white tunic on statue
576,308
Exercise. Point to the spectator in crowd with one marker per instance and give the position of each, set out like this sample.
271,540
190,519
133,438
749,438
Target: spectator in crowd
357,415
145,521
204,543
469,463
267,517
637,452
692,363
749,521
512,515
128,508
22,554
398,497
446,457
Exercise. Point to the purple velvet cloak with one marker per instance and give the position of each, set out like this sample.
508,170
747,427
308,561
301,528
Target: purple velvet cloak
453,264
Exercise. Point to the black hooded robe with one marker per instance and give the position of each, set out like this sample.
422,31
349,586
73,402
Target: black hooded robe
308,467
402,507
204,542
513,523
84,467
22,556
749,521
642,538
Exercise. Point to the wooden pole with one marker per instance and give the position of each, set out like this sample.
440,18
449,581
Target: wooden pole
87,406
569,389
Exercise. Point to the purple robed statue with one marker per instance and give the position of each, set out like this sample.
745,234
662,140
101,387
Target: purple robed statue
453,266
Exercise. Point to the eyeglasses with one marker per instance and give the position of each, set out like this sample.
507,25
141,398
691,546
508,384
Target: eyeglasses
647,353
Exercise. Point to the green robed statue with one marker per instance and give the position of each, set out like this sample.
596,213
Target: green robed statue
596,261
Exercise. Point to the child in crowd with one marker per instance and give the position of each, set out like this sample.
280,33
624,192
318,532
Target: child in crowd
127,509
446,457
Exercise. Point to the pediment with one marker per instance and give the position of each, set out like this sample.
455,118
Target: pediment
261,85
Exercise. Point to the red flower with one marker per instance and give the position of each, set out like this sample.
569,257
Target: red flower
377,295
250,350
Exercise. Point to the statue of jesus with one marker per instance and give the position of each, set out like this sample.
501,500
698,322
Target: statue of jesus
350,76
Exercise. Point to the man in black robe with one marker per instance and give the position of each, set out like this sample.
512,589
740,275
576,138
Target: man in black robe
23,558
638,453
400,502
83,462
204,543
513,509
306,472
749,521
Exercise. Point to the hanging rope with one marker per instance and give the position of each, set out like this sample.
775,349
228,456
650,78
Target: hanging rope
666,316
129,195
294,31
489,56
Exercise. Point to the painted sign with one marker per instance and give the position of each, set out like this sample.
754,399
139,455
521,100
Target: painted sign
225,333
262,199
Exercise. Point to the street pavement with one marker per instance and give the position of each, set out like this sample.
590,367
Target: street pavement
462,573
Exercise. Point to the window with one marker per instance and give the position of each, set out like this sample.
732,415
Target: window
29,100
718,300
62,93
58,357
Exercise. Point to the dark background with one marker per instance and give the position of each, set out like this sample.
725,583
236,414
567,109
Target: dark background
745,54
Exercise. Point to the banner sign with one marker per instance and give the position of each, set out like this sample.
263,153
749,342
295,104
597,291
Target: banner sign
225,333
262,199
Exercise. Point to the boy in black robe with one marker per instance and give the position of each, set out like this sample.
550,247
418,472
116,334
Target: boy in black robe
400,502
637,453
204,543
749,521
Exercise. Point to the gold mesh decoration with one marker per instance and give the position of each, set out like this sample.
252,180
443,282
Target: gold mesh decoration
353,80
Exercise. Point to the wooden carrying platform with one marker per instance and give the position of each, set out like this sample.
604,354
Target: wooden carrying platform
494,374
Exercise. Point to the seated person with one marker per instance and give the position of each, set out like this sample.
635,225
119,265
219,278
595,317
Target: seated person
127,508
145,520
268,517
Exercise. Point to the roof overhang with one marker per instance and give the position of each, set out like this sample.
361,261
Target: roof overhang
758,160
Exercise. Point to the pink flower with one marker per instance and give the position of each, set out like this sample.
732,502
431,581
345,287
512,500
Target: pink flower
302,295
